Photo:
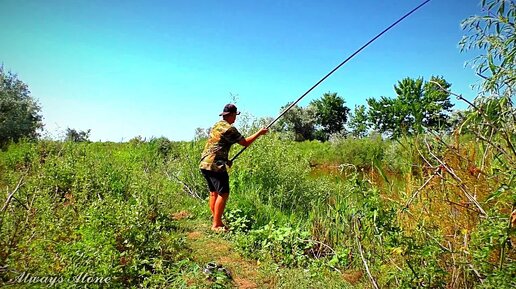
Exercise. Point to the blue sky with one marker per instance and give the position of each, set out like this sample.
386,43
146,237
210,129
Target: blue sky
164,68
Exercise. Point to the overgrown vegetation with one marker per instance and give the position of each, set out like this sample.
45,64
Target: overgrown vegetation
429,208
106,209
98,208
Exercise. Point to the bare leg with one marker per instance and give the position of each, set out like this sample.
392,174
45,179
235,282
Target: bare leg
213,198
220,204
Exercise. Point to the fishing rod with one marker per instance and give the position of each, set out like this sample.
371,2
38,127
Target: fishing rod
336,68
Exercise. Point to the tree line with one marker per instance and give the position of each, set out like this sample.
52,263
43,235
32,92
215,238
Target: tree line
418,105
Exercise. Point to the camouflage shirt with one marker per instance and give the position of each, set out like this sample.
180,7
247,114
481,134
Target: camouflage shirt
222,136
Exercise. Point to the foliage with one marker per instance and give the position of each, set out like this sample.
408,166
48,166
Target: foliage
99,209
299,122
274,172
424,211
418,105
286,245
182,165
238,220
77,136
163,146
110,204
359,123
491,120
319,120
489,247
19,111
202,133
330,113
492,116
494,33
361,153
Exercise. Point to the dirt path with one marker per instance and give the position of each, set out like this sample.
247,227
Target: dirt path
207,246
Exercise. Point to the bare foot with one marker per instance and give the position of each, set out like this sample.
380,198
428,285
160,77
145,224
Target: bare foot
221,229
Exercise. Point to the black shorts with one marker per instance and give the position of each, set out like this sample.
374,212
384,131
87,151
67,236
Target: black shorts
217,181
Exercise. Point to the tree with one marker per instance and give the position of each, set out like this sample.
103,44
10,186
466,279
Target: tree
418,105
358,122
330,113
201,133
77,135
19,112
299,122
437,105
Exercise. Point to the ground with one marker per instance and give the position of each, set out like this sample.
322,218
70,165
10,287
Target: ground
207,246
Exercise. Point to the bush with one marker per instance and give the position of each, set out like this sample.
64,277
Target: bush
100,209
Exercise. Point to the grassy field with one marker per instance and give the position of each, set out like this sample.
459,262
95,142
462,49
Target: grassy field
417,212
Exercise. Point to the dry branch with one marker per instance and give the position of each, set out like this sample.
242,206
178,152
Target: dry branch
190,191
458,180
359,246
11,194
421,188
505,133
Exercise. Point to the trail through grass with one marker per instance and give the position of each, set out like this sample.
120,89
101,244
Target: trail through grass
206,246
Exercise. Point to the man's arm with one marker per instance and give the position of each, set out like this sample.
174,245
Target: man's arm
250,139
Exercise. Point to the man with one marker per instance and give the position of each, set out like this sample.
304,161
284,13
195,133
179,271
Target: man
214,160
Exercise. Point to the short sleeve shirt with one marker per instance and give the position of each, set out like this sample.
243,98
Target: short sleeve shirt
215,155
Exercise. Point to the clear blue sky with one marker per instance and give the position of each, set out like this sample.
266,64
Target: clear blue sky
164,68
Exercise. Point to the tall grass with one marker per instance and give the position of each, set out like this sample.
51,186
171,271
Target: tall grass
389,205
99,208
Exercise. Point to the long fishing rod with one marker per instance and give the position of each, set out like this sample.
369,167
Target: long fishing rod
336,68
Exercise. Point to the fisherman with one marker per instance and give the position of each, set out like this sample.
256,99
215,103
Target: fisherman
214,160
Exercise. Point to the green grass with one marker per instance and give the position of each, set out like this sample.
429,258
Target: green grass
109,209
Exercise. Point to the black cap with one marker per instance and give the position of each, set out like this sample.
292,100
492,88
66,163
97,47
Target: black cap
229,108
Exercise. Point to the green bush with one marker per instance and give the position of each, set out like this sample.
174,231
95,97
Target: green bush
105,209
286,245
97,209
